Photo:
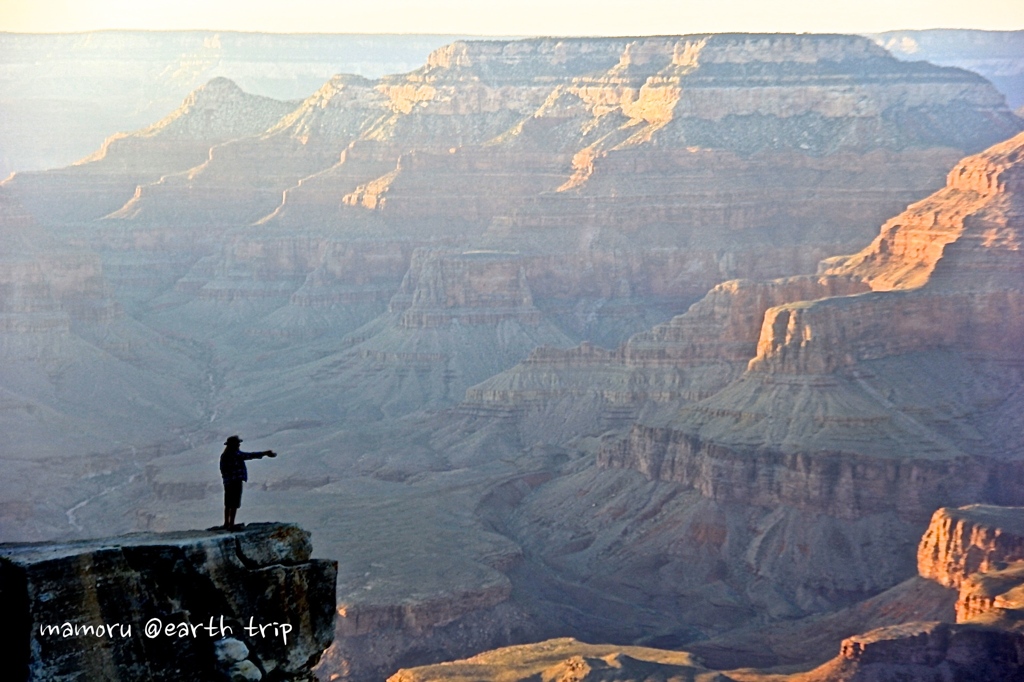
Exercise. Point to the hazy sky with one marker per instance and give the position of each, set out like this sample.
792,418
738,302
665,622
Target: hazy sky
510,17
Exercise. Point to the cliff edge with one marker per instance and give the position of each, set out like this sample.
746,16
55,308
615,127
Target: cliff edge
197,605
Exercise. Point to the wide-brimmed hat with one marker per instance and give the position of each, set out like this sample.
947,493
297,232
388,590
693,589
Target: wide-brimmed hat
232,439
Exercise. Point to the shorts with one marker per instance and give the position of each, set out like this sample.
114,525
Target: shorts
232,494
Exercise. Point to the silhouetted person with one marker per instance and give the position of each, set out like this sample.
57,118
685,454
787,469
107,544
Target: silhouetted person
234,474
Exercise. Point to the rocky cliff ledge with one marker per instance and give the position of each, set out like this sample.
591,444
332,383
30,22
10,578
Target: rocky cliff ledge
196,605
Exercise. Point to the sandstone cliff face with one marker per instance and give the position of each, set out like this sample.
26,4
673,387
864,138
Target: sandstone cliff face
959,248
974,549
200,579
966,236
978,551
969,540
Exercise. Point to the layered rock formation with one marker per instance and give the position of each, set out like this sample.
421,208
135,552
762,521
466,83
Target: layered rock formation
615,135
456,319
599,137
975,539
243,180
956,260
686,359
61,326
802,436
101,183
171,606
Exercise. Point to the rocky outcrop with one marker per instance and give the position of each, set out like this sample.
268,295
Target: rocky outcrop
567,660
198,605
962,542
926,651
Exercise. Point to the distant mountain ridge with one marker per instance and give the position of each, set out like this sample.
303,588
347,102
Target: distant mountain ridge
83,87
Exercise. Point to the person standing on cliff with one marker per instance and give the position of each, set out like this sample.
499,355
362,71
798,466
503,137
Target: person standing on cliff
234,475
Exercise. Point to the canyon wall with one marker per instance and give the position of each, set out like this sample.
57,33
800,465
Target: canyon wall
813,387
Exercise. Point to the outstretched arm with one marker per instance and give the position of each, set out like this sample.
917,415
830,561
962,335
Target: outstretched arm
257,455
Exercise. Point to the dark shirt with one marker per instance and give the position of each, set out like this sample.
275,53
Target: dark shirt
232,464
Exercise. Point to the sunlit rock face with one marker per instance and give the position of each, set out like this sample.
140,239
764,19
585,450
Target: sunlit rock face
101,183
969,540
206,584
977,551
760,109
568,659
